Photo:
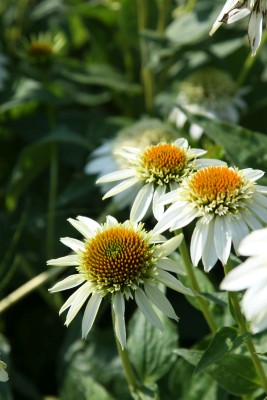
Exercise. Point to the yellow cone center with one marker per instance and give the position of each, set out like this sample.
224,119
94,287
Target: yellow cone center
117,256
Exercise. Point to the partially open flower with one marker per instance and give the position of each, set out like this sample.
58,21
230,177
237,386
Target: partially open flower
42,47
123,261
227,203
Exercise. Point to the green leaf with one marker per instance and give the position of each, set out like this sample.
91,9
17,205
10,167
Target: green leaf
150,350
183,384
224,341
235,372
83,387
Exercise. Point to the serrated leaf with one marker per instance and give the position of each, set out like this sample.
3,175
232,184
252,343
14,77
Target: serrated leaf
150,350
225,340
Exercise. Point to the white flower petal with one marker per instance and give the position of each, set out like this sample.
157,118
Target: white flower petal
168,198
209,255
254,243
178,116
222,239
255,30
82,295
208,162
252,174
169,246
173,283
146,308
185,217
170,265
237,14
68,283
117,175
120,187
142,202
198,240
3,375
260,199
195,131
252,271
251,221
84,228
260,323
73,244
181,143
259,210
90,313
160,301
111,221
158,209
119,310
198,152
255,299
238,229
261,189
226,8
64,261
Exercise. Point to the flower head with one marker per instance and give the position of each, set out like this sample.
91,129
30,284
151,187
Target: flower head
227,203
123,261
106,158
154,170
41,47
210,92
252,275
234,10
3,373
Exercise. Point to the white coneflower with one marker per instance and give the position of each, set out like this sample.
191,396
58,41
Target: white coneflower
154,170
234,10
227,203
252,275
106,158
209,92
123,261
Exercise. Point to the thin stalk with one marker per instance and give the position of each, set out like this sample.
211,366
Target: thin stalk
127,367
29,287
243,329
248,64
194,284
146,73
163,11
53,181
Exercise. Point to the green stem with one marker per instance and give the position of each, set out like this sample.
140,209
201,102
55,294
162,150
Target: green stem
127,367
248,64
243,329
163,12
191,275
52,200
146,73
29,287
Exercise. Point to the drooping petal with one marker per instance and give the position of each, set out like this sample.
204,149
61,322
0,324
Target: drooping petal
64,261
120,187
119,310
173,283
170,265
146,308
222,239
198,239
81,296
169,246
230,4
255,299
160,301
236,14
209,255
73,244
142,202
68,283
90,313
158,209
117,175
255,30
